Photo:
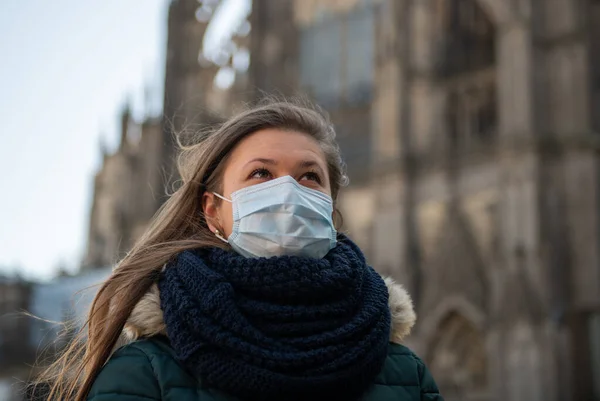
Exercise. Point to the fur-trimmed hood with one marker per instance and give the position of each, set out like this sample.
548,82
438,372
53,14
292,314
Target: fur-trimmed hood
146,320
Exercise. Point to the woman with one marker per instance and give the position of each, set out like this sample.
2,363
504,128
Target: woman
242,289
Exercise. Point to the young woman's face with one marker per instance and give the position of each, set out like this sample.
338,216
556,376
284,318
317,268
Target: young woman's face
262,156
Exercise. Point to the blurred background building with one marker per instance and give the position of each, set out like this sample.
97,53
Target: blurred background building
470,129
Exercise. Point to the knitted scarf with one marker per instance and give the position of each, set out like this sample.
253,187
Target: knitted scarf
282,328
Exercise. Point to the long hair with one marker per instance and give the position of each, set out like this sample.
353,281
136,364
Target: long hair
178,225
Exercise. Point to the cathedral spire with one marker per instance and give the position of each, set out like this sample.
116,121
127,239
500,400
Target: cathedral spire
125,120
103,146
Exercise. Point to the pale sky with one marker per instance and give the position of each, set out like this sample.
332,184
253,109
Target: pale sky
66,68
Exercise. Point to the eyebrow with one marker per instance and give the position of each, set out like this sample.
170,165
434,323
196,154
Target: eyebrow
301,164
264,161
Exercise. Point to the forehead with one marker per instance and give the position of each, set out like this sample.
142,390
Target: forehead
277,143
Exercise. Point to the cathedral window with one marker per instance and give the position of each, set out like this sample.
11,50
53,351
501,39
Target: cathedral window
458,361
321,61
466,67
336,58
594,26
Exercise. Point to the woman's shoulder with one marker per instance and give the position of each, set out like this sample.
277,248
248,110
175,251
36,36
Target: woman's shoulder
405,373
156,352
144,369
401,366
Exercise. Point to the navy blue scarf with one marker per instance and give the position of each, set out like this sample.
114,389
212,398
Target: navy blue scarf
283,328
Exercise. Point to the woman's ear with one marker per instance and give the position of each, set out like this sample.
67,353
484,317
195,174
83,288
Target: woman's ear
338,219
211,211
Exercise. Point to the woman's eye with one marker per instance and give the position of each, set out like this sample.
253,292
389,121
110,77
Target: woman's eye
311,177
260,174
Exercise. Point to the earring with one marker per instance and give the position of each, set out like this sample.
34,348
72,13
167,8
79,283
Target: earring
220,236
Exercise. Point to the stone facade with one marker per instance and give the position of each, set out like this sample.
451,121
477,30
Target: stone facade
470,132
128,190
135,180
481,188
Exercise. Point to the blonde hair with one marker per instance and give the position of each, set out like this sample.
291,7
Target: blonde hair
178,225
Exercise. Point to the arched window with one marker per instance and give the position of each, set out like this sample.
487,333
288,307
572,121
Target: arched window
468,43
594,36
466,67
458,361
337,58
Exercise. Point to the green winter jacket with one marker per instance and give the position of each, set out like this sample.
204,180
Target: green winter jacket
147,370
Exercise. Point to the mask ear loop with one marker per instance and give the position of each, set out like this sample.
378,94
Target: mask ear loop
217,232
221,197
220,236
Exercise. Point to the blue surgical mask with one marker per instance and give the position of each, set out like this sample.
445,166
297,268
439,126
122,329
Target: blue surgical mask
281,217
